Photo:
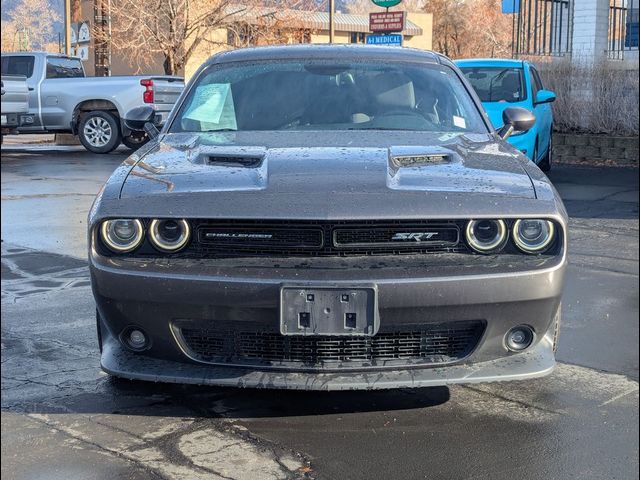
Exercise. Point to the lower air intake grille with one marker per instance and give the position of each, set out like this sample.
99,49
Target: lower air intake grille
429,344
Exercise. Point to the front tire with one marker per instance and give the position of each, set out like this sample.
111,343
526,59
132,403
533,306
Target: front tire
134,142
99,131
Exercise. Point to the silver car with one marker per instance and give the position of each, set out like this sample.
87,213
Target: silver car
328,218
62,99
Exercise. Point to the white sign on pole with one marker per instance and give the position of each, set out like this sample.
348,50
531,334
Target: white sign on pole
82,51
84,33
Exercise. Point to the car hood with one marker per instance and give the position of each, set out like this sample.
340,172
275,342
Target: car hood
325,174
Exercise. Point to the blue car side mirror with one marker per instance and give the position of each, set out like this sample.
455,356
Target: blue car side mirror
545,96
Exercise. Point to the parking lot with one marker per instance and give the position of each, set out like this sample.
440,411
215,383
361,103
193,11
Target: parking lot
581,422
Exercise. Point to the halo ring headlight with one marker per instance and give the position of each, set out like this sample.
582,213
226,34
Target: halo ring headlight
486,236
122,235
533,235
169,235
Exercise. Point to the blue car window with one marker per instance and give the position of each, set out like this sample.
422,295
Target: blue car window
497,84
537,82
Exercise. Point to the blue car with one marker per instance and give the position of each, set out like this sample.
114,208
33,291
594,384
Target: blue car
502,83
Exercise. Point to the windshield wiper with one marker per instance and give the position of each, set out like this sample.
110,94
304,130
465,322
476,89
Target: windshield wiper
220,130
377,128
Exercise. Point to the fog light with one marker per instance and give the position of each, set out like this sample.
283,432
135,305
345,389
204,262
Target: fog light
134,339
519,338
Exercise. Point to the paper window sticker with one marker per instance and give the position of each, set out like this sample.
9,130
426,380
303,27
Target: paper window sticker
208,103
459,122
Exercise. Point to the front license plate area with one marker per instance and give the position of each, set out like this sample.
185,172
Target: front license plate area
328,311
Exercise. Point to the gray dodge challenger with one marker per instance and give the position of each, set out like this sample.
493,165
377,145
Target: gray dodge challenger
328,218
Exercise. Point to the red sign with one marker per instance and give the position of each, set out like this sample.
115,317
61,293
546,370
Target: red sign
386,21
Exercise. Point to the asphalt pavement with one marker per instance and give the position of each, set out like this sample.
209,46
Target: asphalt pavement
64,419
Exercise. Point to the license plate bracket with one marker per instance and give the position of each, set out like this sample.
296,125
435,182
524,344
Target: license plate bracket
329,311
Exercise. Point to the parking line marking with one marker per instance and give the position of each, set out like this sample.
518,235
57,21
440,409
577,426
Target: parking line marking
619,396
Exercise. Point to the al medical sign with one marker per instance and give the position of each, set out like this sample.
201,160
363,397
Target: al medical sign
392,39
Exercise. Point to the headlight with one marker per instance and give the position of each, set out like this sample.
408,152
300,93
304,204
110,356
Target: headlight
122,235
533,235
169,235
486,236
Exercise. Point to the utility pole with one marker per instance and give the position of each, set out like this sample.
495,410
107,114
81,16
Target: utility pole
332,7
67,27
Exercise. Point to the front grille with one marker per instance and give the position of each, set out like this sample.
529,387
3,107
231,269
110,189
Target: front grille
319,238
430,344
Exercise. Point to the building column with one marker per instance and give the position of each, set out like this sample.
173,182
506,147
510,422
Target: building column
590,30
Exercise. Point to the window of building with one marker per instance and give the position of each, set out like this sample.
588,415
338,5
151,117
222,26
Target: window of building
541,27
623,27
357,37
302,36
242,35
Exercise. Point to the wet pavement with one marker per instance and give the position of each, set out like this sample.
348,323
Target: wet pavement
63,419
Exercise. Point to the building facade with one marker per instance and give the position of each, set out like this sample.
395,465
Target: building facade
247,28
584,30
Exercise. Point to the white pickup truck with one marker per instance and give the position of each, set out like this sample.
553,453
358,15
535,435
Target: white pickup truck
63,100
15,101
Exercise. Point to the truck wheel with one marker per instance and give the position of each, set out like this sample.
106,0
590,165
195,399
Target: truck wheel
99,131
134,142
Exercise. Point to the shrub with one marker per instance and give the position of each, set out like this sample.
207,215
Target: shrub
593,98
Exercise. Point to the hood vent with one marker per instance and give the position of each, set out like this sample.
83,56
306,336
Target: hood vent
400,161
247,161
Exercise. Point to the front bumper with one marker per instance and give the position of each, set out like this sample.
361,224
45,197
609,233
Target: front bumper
501,291
10,120
537,362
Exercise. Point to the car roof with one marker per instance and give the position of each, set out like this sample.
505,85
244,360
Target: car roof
328,51
489,62
38,52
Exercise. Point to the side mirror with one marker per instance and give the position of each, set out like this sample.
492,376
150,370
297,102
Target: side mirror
516,119
544,96
141,119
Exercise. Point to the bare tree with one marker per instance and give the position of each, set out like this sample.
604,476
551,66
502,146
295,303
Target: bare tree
269,23
470,28
30,25
449,25
174,29
489,30
142,30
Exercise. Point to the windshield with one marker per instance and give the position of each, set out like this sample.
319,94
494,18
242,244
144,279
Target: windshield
497,84
304,95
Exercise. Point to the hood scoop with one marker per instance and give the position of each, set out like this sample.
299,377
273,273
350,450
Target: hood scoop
226,156
247,161
412,156
417,160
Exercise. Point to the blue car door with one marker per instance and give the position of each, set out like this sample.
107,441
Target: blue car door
543,113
